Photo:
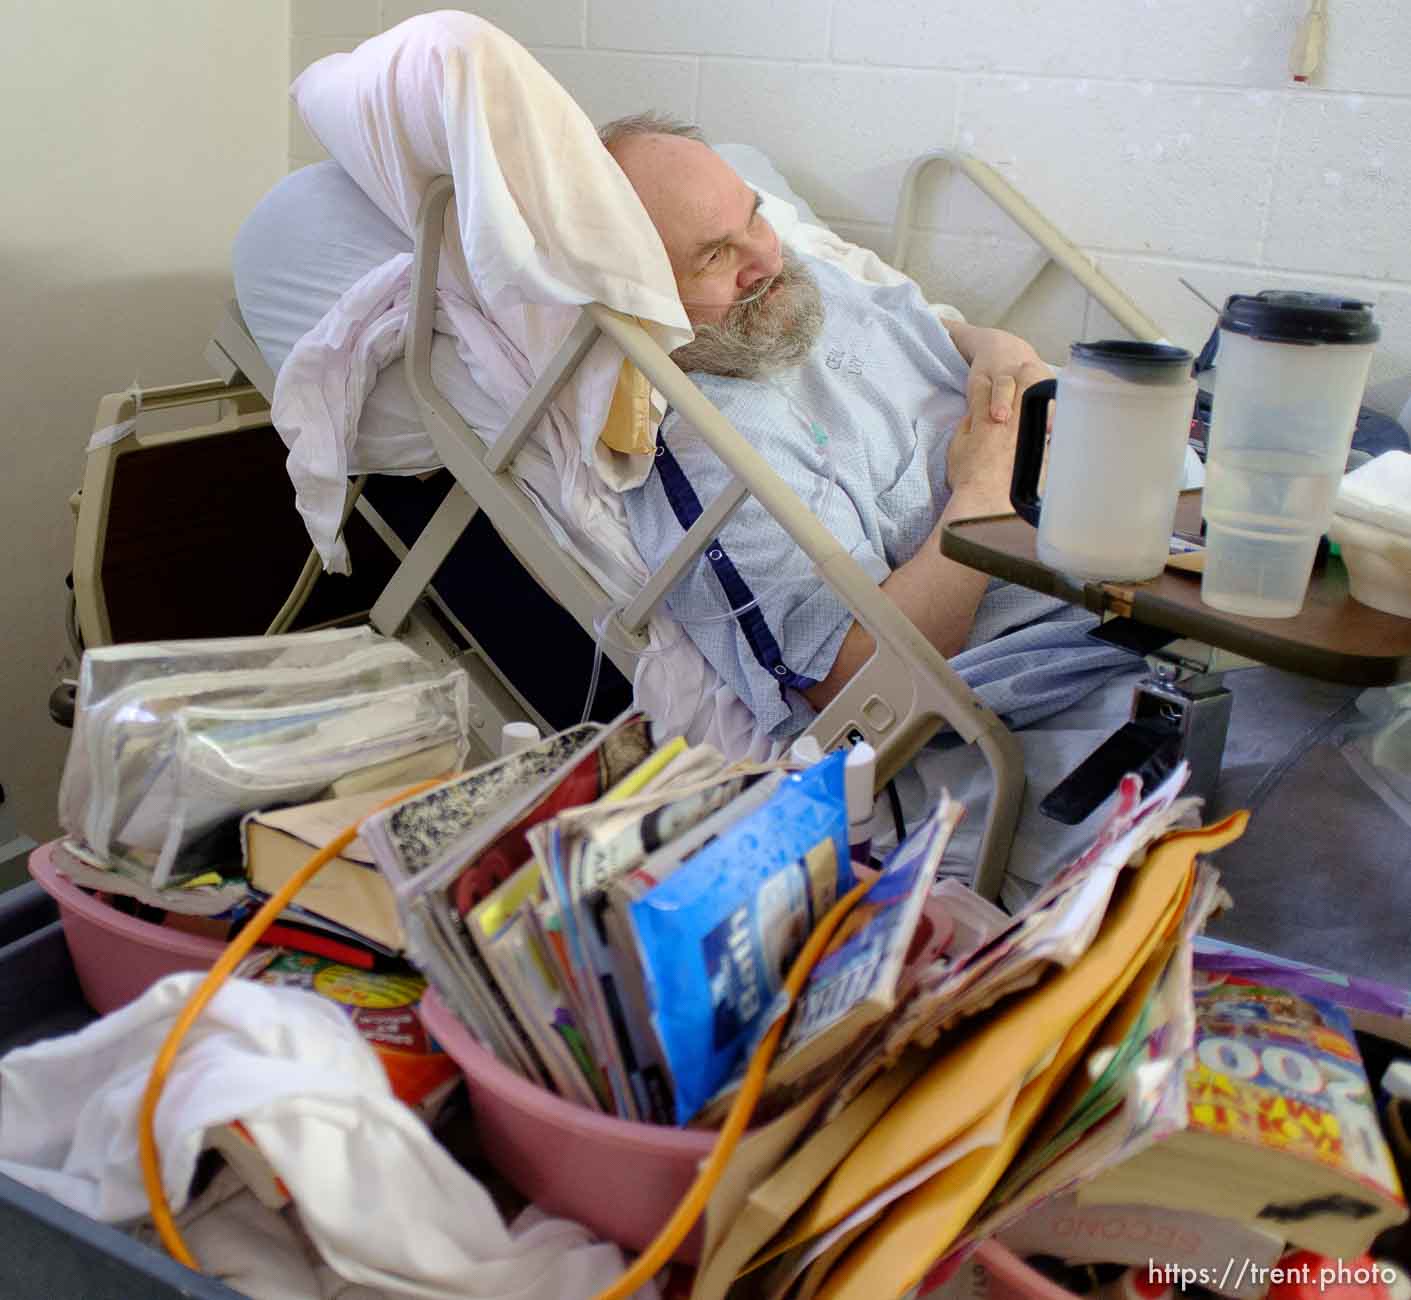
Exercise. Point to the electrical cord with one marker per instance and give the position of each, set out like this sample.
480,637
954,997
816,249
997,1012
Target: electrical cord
894,800
235,952
692,1205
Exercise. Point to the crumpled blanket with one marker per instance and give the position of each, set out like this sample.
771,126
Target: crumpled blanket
383,1204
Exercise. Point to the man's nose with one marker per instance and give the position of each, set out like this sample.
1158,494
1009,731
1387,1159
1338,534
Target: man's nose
764,260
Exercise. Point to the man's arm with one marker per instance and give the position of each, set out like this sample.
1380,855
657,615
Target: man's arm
937,594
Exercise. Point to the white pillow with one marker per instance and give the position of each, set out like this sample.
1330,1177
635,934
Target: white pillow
544,215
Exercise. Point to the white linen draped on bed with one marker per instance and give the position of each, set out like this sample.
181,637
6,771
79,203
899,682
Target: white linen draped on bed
544,221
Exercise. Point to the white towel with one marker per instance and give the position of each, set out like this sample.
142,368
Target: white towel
385,1205
1379,492
544,221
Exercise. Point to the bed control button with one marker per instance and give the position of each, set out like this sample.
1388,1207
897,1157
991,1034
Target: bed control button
878,713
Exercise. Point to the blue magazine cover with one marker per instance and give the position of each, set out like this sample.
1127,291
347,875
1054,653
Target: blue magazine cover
716,939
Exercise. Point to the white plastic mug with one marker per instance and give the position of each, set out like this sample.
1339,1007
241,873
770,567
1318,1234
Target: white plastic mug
1291,371
1120,430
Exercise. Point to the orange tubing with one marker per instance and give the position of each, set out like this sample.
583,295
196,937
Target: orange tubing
236,951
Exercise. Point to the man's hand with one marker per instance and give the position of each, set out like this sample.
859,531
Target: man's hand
1002,367
935,592
981,456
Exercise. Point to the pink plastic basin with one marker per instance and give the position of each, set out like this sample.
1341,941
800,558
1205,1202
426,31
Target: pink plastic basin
1010,1278
117,957
619,1179
622,1180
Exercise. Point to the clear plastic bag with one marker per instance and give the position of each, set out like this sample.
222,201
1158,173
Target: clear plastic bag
228,762
127,696
121,795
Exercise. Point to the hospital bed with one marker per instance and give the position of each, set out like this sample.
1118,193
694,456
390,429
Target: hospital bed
896,702
899,700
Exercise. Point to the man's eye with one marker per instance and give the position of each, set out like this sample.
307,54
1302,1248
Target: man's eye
715,257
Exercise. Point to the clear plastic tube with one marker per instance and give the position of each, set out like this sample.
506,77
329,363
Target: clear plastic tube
739,302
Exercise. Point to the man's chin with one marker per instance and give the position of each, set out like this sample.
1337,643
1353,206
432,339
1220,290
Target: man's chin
772,333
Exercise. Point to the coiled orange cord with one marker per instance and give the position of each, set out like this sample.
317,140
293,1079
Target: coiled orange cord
692,1205
236,951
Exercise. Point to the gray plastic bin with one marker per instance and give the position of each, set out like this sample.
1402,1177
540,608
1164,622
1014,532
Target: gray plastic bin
48,1249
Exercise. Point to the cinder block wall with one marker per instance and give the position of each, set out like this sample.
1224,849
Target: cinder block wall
1165,137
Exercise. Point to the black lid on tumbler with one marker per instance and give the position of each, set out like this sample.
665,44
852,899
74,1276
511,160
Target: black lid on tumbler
1155,364
1293,316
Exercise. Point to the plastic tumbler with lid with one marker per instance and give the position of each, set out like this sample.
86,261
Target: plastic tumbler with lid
1292,368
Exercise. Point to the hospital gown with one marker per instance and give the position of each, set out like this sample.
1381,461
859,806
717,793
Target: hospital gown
861,431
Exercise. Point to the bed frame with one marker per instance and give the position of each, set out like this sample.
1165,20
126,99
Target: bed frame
897,701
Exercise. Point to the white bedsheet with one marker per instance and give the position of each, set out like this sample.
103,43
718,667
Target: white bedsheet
403,1219
447,93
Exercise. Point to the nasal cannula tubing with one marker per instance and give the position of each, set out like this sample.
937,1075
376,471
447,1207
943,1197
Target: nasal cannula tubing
738,302
600,625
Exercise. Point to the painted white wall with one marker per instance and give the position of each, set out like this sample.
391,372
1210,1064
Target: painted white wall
1165,137
135,139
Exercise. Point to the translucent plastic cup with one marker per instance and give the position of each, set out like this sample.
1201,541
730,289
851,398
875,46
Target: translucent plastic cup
1292,369
1121,420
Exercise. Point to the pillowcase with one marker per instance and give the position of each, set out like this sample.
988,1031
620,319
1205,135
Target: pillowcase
545,219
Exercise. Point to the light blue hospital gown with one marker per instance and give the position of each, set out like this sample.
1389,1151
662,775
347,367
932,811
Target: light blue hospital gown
885,386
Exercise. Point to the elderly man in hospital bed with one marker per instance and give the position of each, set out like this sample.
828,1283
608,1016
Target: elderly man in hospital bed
888,419
835,369
856,395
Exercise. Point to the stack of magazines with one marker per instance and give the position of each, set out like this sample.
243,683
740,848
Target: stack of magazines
615,918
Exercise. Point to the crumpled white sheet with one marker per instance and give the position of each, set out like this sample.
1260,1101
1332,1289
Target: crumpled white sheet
544,221
383,1203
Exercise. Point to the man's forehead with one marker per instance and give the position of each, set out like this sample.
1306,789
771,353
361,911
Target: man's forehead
687,188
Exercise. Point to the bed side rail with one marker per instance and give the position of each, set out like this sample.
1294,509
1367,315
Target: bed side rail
484,472
906,691
234,355
1034,224
900,698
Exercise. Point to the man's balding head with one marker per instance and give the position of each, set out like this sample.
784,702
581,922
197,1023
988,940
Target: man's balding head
707,216
754,307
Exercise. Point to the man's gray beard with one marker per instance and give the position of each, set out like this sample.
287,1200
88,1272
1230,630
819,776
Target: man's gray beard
757,338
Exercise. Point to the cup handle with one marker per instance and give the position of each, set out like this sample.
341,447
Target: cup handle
1029,450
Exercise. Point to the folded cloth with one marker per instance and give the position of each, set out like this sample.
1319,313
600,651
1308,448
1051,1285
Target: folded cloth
381,1200
544,221
1379,492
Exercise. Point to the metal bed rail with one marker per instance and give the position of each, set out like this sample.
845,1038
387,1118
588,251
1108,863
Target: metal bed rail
897,701
1034,224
